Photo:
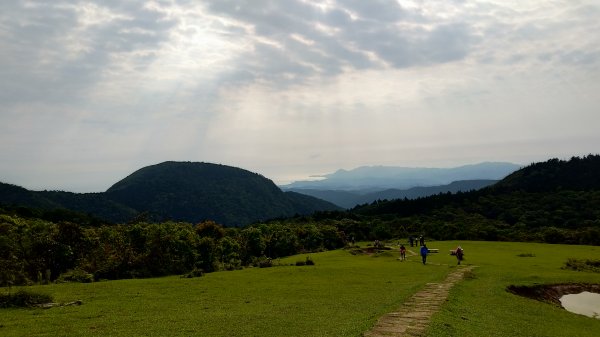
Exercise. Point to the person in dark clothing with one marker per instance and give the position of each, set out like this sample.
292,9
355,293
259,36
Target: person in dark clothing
459,254
410,240
402,252
422,240
424,252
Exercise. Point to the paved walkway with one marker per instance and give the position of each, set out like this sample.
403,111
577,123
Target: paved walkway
412,318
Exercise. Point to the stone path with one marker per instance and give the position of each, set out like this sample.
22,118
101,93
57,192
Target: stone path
412,318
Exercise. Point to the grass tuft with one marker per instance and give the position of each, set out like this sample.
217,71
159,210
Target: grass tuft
526,255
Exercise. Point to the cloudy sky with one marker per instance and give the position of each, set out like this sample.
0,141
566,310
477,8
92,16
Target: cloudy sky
91,91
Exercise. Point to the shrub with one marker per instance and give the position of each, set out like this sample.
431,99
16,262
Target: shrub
196,272
23,298
263,262
309,261
76,275
583,265
300,263
233,264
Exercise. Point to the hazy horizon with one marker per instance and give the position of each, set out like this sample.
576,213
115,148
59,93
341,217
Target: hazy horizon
93,90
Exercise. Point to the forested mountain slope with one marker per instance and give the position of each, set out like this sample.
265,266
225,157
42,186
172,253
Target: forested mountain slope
195,192
553,201
180,191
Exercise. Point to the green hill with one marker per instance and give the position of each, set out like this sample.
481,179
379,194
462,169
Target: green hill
195,192
180,191
576,174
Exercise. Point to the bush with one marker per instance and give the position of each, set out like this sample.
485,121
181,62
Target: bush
23,298
196,272
263,262
583,265
233,264
309,261
76,275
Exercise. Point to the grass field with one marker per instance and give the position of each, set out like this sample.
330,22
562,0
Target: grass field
481,307
342,295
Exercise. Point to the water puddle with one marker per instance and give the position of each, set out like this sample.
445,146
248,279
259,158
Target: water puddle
578,298
585,303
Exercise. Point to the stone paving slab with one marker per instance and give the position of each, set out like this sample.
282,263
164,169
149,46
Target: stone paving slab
412,318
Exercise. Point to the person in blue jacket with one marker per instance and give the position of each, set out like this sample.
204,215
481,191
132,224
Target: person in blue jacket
424,252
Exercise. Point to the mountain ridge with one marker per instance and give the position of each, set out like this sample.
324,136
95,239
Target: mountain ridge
349,199
386,177
179,191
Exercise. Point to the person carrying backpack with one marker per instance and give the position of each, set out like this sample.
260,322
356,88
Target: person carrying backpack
459,254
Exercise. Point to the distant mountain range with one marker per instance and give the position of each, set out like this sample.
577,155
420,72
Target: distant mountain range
349,199
376,178
557,201
370,183
179,191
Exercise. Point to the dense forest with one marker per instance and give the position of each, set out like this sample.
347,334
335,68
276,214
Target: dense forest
555,202
35,250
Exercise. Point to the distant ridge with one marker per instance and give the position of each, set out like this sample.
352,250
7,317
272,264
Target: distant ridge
179,191
349,199
557,201
374,178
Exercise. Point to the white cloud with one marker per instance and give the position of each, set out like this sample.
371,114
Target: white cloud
291,88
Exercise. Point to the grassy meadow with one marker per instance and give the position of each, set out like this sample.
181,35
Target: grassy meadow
480,306
341,295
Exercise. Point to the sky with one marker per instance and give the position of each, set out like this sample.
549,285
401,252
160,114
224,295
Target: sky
91,91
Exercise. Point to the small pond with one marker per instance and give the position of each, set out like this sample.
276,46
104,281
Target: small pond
584,303
579,298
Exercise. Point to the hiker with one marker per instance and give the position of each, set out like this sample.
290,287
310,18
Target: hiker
402,253
459,254
422,240
424,252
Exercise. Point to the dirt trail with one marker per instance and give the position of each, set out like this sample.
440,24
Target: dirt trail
412,318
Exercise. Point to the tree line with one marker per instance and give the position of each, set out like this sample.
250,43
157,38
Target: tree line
33,250
544,202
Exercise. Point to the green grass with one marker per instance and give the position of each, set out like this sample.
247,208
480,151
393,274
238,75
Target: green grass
480,306
341,295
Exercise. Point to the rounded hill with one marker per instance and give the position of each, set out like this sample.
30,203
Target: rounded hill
195,191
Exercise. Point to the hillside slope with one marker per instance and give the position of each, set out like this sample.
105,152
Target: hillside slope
193,192
179,191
